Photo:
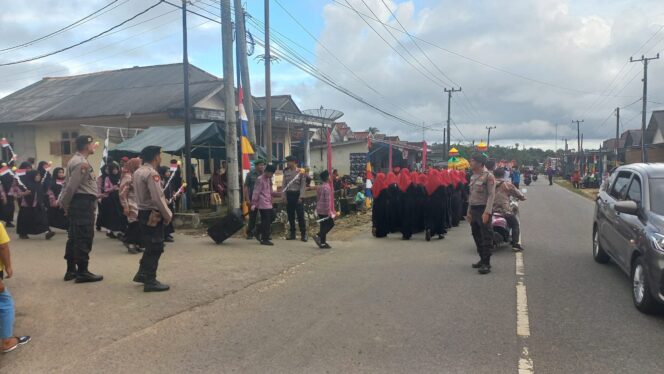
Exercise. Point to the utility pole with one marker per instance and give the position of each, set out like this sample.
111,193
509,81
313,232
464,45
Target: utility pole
268,86
645,60
617,133
448,146
556,140
187,120
488,137
241,44
578,139
229,108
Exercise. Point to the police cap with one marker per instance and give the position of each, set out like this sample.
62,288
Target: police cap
478,157
82,141
150,152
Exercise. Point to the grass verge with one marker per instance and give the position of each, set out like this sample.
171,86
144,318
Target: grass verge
589,193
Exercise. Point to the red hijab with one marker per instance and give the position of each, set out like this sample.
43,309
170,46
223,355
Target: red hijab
404,180
378,185
422,179
391,179
433,181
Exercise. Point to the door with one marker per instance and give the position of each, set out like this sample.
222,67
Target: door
608,235
630,227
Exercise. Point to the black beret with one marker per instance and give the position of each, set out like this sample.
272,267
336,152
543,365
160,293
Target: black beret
291,158
82,141
270,169
150,152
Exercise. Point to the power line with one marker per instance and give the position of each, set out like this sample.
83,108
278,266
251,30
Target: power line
84,41
425,75
476,61
470,104
63,29
104,46
359,78
313,71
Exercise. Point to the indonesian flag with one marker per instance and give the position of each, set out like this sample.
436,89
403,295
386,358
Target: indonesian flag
245,144
4,142
20,172
5,170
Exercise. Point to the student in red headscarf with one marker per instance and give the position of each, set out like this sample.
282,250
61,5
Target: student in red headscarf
435,205
380,209
456,203
407,204
393,202
420,182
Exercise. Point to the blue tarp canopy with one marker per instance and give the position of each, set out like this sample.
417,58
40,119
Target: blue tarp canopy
207,140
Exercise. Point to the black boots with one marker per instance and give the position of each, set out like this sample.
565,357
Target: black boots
291,236
304,236
155,286
84,276
71,271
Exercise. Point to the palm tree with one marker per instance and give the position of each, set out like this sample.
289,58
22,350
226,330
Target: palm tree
373,130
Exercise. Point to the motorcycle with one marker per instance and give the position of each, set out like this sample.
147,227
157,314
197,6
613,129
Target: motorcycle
527,179
501,230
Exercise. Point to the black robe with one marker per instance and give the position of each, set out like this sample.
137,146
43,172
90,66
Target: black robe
437,211
420,209
394,205
380,216
7,212
407,212
32,219
113,214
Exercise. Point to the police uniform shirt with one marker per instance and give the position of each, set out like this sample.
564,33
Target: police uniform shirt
298,184
482,191
149,195
80,179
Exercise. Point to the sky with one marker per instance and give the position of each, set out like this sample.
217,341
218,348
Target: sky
527,67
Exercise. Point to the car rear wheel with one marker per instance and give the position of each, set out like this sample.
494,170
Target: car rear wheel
599,254
643,299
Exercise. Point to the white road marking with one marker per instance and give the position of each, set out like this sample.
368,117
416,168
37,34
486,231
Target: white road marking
522,320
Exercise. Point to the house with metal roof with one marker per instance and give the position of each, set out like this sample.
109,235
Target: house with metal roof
42,119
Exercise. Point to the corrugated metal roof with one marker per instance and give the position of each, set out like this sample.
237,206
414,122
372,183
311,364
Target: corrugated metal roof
149,89
279,102
171,140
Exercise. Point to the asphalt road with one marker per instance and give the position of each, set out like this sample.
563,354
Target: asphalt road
368,305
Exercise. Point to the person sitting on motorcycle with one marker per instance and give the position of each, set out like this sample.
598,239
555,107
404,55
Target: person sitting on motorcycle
501,205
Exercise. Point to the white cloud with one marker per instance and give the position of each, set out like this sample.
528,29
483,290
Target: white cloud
577,44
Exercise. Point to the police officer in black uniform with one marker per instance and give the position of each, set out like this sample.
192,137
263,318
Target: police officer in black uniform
153,216
79,201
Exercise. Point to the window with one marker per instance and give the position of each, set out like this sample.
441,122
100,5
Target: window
278,153
634,192
67,144
657,196
620,186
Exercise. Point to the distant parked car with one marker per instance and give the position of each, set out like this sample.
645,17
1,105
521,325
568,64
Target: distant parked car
628,228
